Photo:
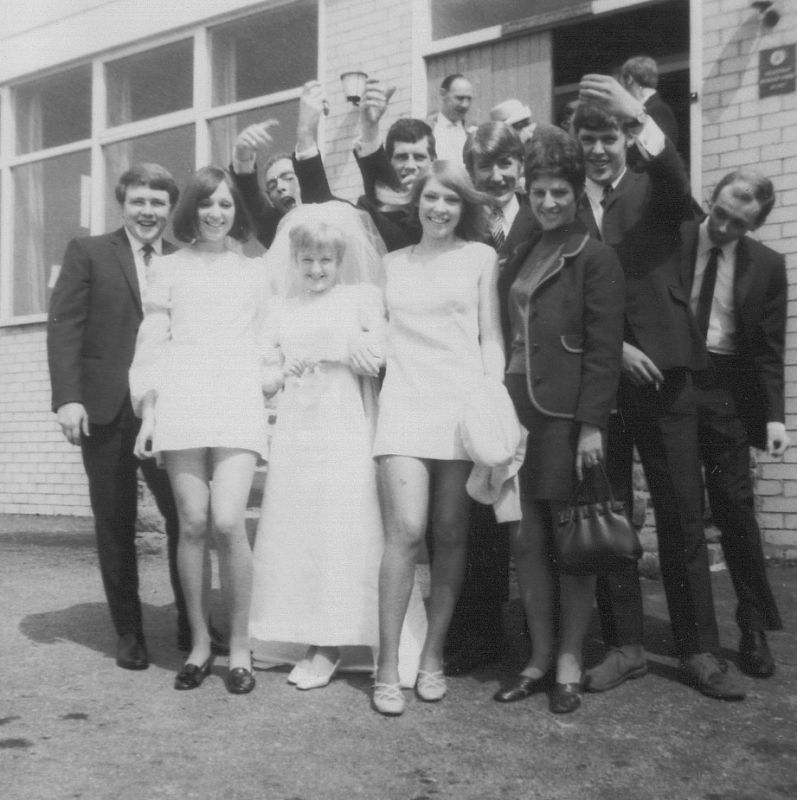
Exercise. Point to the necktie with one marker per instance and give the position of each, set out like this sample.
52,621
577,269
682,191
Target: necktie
706,296
497,229
607,190
146,254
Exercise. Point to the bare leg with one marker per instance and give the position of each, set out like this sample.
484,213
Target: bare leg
577,593
529,545
189,479
450,515
232,479
404,491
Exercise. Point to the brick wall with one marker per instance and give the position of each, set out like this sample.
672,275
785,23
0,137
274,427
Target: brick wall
40,473
739,129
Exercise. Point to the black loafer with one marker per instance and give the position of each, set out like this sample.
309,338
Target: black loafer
522,688
755,659
240,681
565,698
191,676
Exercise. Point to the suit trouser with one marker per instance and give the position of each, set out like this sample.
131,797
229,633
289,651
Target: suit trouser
478,617
663,426
725,449
113,490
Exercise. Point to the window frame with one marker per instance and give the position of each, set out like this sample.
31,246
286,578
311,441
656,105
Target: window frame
199,115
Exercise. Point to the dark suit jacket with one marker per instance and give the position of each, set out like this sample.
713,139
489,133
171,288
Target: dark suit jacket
313,185
760,296
398,227
575,328
641,222
663,116
95,312
523,226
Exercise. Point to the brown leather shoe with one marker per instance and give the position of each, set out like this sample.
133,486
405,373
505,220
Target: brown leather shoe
131,652
712,677
754,656
621,664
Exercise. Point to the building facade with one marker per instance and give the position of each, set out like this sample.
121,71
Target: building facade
89,87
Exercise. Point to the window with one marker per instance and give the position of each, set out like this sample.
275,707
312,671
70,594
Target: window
53,111
72,121
50,207
136,87
265,53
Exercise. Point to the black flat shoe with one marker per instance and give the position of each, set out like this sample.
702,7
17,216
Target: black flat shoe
522,688
755,659
240,681
131,652
565,698
191,676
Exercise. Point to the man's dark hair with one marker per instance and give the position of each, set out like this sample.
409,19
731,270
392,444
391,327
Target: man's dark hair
154,176
749,185
592,117
492,140
449,79
411,130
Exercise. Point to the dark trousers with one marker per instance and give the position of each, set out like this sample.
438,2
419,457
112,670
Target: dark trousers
111,470
725,450
663,426
478,618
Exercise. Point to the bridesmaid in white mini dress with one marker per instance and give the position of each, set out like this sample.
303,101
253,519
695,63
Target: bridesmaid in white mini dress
443,338
196,382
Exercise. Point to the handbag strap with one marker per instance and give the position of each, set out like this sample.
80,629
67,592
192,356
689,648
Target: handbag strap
588,477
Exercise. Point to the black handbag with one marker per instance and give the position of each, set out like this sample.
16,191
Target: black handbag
594,537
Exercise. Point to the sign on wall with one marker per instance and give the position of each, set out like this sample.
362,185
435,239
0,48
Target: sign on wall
776,71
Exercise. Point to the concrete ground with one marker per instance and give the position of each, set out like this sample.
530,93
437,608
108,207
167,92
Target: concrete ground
73,725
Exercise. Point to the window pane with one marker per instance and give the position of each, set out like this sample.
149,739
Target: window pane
54,110
173,149
151,83
50,207
224,130
265,53
452,17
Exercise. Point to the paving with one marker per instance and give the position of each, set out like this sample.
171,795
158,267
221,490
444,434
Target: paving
73,725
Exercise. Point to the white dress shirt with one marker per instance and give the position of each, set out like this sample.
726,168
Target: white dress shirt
449,137
138,257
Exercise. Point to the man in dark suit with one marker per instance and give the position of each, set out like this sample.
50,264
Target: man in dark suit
739,294
94,316
638,213
290,180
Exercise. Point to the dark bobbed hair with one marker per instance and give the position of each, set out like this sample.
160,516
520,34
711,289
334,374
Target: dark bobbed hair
592,117
410,130
449,79
147,174
643,69
472,226
552,152
492,140
201,185
750,186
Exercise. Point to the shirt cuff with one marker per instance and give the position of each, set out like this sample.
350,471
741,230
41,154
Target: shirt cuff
364,149
650,139
307,153
246,167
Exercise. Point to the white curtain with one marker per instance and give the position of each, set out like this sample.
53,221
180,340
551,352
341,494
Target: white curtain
29,266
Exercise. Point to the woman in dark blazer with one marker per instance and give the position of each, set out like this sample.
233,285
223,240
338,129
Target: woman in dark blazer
562,304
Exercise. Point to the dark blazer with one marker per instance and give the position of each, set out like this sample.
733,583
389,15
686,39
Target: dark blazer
313,185
95,312
663,116
398,227
523,226
575,328
760,297
641,223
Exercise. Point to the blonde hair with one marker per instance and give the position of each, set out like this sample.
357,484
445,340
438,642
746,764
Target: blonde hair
315,236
